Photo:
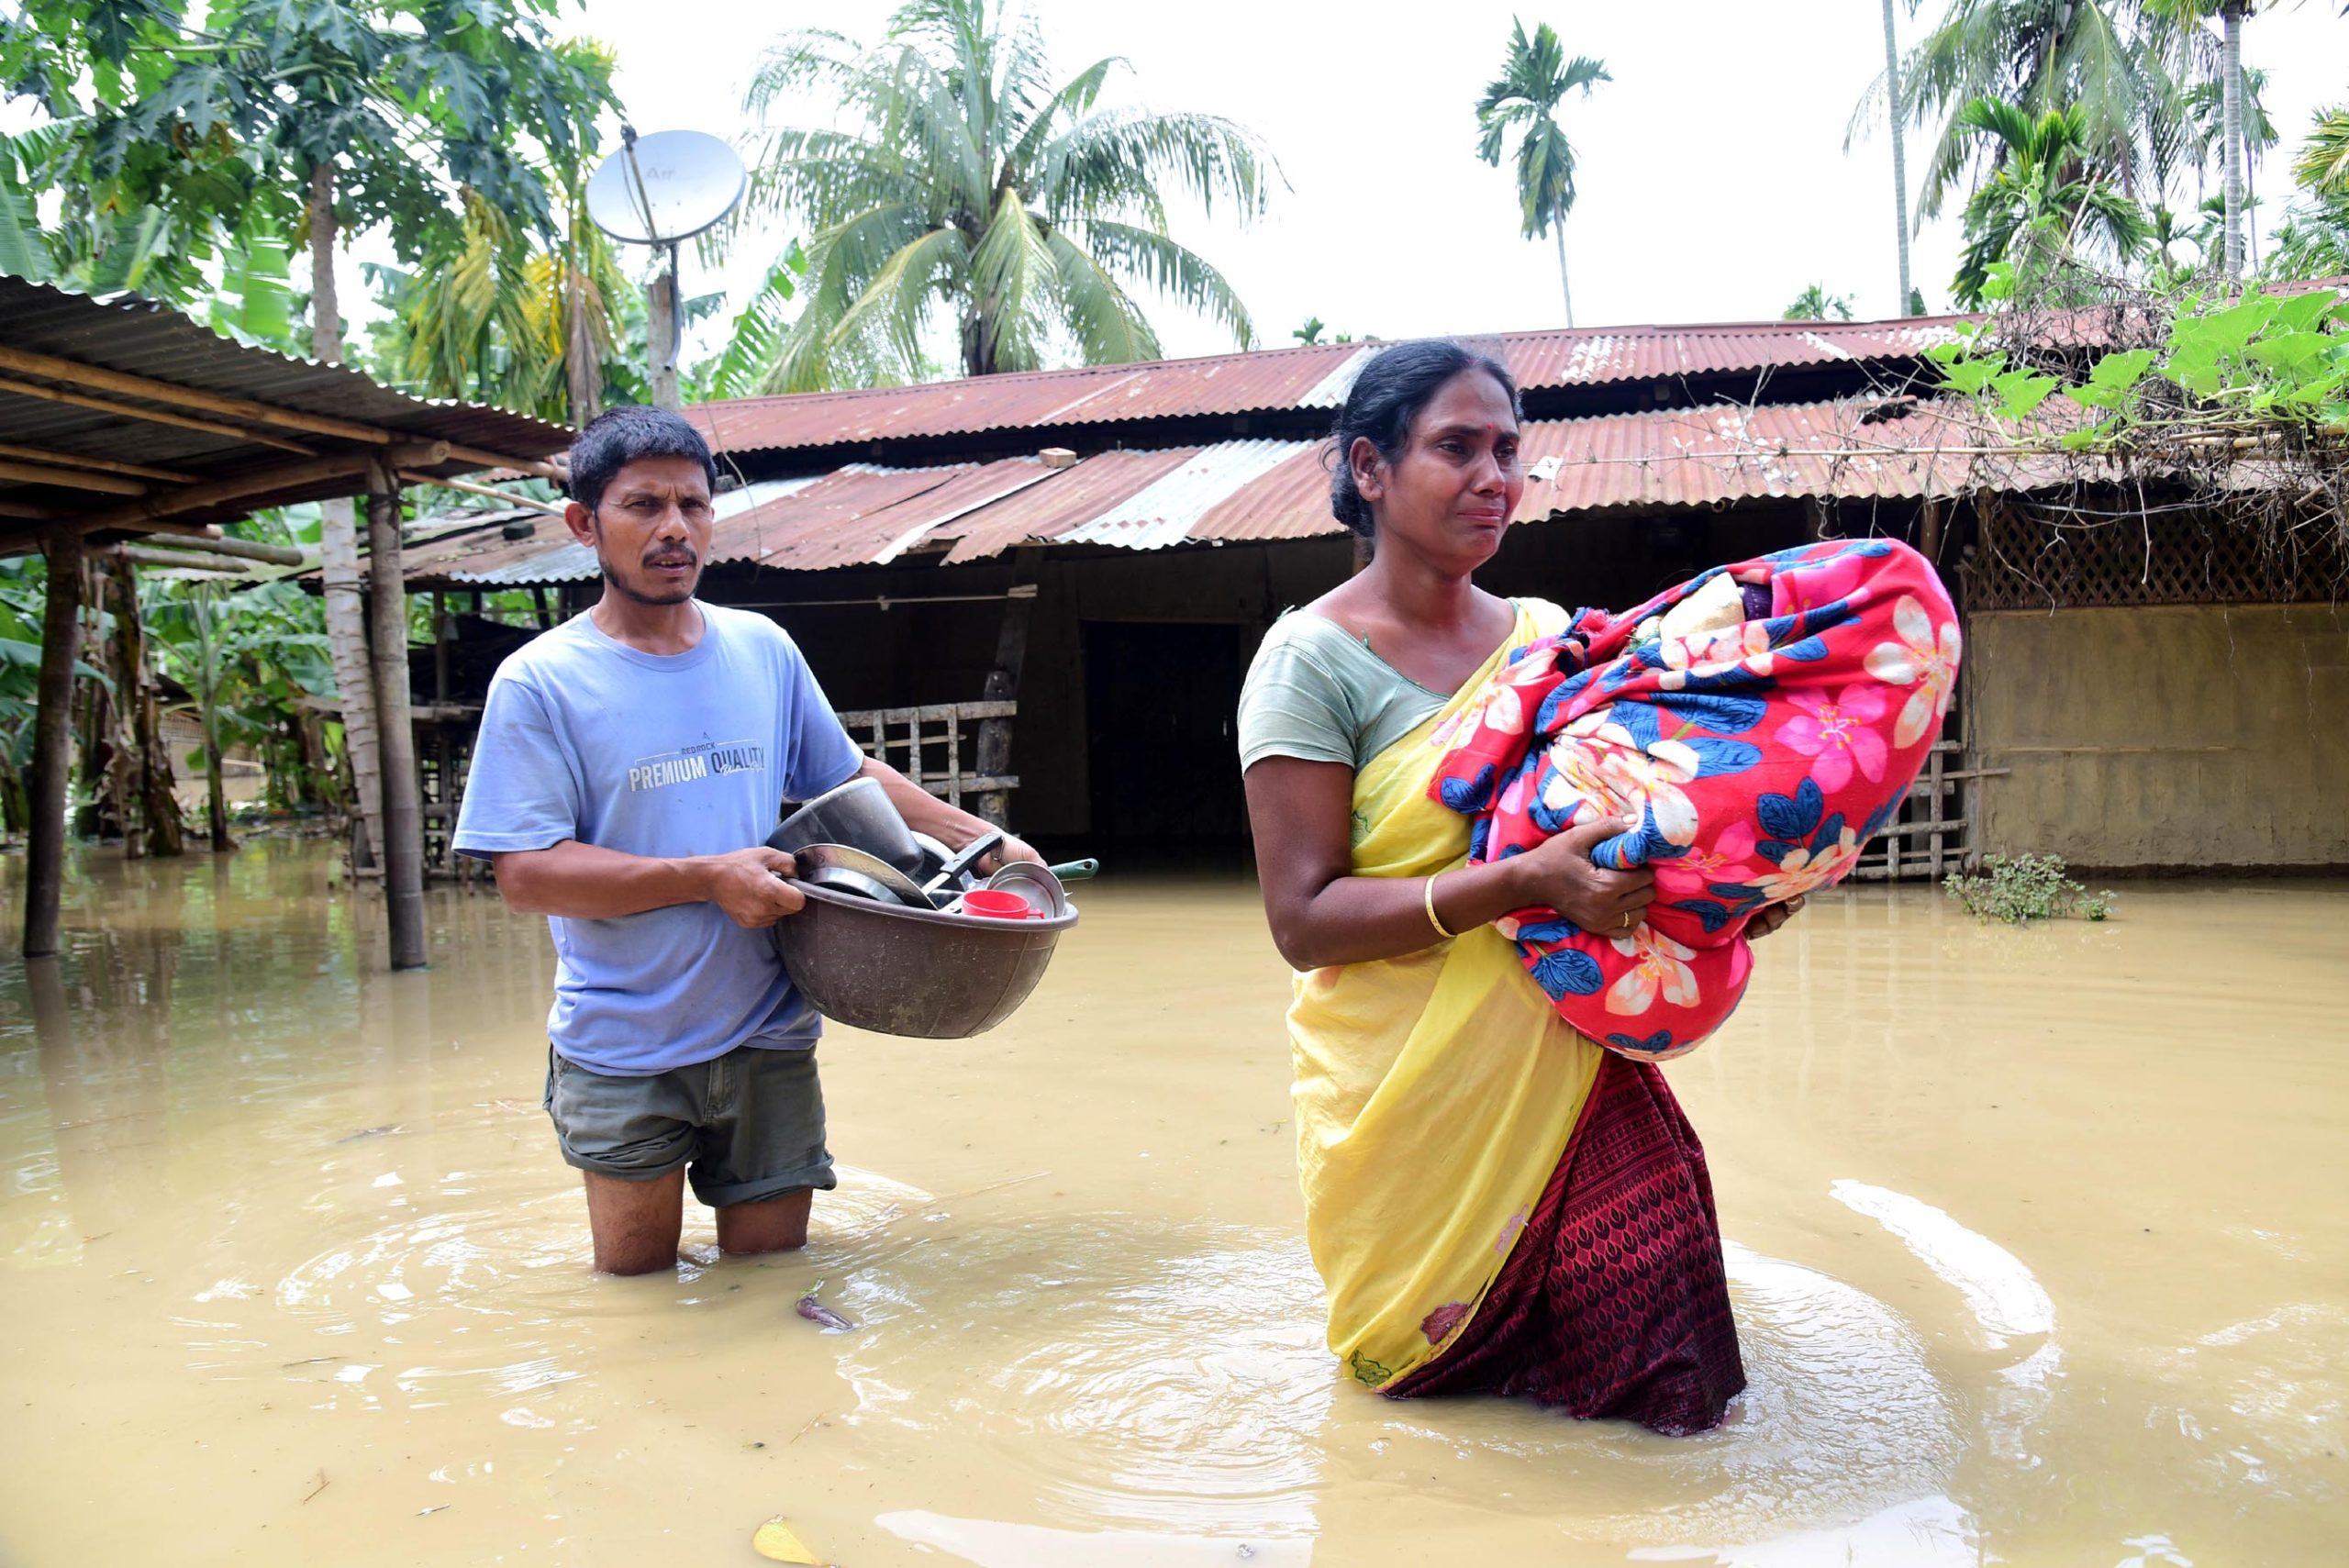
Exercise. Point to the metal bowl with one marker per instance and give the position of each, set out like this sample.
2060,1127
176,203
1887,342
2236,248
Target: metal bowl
845,869
912,971
858,813
1038,889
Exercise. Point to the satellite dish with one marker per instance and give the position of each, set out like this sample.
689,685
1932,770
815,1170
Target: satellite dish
665,188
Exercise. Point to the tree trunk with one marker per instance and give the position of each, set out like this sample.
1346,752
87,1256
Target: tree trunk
338,558
61,636
1899,155
581,369
159,808
1558,228
403,810
2230,87
216,800
661,332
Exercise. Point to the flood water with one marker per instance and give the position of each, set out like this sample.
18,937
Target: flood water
2039,1247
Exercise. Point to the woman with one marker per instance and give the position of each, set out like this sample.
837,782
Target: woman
1494,1203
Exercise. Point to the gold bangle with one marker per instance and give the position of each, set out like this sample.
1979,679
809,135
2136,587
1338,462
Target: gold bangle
1432,920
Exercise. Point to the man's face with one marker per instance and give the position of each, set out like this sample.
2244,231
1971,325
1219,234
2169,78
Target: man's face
650,531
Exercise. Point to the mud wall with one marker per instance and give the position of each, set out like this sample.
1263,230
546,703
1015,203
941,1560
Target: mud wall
2167,737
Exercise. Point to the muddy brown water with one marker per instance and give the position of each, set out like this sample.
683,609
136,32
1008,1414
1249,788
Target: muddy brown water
2038,1244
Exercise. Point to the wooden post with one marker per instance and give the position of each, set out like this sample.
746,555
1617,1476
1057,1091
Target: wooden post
1002,682
61,636
402,811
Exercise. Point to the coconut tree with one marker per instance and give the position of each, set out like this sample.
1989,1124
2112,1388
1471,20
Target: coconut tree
972,186
2046,207
1536,76
2111,59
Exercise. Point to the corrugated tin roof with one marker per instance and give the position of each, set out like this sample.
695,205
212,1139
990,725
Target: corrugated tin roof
1165,510
1261,490
139,337
1307,377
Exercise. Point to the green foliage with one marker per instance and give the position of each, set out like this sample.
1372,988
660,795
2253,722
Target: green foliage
182,150
2252,368
1815,304
2142,76
972,186
2021,888
1535,79
2039,211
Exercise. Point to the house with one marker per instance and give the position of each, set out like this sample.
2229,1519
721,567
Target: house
1054,581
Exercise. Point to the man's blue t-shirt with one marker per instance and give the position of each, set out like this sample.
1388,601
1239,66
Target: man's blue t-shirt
693,754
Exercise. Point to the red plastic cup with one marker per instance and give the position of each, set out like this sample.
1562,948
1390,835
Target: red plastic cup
996,905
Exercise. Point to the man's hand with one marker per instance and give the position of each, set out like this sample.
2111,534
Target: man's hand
1003,854
748,884
1561,875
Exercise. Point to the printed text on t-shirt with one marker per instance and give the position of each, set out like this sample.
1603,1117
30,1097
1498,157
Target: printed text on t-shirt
700,761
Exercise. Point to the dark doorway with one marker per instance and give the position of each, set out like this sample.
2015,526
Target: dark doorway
1160,703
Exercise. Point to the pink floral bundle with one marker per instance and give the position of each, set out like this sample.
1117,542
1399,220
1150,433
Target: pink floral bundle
1758,756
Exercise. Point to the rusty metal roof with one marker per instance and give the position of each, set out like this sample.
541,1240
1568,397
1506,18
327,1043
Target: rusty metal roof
1265,490
1275,379
137,338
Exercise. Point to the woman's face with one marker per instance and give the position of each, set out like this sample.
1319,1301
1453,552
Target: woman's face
1452,490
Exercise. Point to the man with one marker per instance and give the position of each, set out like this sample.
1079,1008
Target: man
630,766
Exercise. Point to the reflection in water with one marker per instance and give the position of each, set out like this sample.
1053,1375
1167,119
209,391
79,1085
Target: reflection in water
286,1237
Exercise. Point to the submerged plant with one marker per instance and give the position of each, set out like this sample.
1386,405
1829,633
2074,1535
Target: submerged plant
2021,888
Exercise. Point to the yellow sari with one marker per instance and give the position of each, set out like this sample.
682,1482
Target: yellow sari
1435,1093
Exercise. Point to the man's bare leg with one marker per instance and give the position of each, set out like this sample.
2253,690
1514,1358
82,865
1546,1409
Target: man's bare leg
636,1224
771,1225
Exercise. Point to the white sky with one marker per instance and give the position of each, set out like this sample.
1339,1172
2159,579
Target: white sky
1712,177
1713,180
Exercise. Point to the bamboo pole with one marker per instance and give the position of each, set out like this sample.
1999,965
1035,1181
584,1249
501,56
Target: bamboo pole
59,642
242,549
144,557
553,509
152,416
100,464
395,735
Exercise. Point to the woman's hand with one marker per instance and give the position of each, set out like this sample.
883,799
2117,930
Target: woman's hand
1561,875
1777,915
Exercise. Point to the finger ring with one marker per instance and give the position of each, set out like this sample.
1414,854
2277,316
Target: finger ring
1626,921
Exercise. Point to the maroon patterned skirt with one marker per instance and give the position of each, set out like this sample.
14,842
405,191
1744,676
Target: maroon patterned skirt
1613,1302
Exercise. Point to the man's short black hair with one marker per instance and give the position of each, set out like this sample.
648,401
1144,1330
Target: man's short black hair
619,437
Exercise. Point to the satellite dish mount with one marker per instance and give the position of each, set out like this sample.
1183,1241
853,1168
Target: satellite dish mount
659,189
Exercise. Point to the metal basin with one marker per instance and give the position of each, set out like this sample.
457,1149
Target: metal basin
912,971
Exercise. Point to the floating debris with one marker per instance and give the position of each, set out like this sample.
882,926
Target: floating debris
384,1130
815,1311
778,1540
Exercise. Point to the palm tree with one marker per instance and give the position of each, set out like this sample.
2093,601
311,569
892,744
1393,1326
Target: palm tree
976,188
1534,79
2045,209
2112,59
1815,304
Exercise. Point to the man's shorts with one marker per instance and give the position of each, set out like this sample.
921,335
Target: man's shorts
749,1124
